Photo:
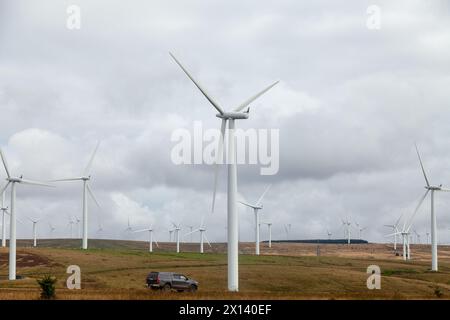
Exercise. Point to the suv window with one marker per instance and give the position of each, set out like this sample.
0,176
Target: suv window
183,277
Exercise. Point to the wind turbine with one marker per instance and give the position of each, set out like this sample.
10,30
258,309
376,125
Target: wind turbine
269,226
85,178
287,229
77,222
52,229
434,253
4,210
395,230
202,230
232,216
428,237
170,235
100,229
70,224
190,232
12,224
405,231
177,228
329,234
34,221
346,223
150,241
256,207
417,236
128,228
360,230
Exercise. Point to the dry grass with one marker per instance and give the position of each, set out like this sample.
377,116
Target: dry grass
287,271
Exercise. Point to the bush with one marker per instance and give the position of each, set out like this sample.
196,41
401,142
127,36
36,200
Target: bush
438,292
47,284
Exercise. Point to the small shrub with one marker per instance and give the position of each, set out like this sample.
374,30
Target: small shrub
47,284
438,292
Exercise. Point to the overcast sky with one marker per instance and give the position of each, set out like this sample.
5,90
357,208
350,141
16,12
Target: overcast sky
350,104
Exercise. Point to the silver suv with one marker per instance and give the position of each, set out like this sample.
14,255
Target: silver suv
167,281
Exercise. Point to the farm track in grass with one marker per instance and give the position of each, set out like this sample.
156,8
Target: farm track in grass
114,269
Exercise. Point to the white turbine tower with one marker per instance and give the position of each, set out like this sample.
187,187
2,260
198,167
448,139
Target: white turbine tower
434,253
4,210
12,224
395,230
232,216
269,227
150,240
329,234
202,230
85,177
34,222
256,207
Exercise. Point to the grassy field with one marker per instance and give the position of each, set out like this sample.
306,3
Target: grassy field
117,270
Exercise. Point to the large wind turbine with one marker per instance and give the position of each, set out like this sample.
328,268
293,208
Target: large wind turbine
85,177
150,240
202,230
4,210
232,216
434,253
12,224
395,230
256,207
34,222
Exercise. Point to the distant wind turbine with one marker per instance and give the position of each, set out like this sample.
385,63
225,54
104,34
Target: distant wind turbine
395,230
4,210
34,222
256,207
202,230
85,178
150,240
269,226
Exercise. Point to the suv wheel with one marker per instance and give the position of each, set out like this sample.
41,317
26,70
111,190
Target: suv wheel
166,287
193,288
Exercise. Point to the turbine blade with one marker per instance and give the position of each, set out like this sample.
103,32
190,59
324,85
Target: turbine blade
66,179
203,91
415,211
204,236
398,221
156,242
256,96
5,164
421,165
247,204
219,157
34,182
262,196
141,230
392,234
92,195
89,165
444,189
196,230
5,187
